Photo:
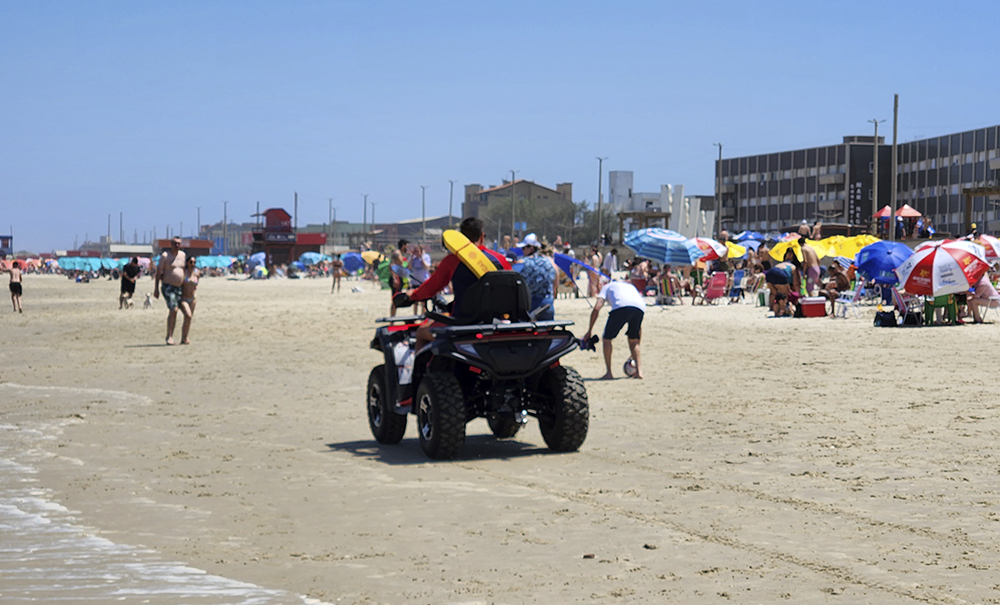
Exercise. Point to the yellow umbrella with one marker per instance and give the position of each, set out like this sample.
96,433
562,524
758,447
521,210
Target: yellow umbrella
852,245
371,256
779,249
821,249
735,250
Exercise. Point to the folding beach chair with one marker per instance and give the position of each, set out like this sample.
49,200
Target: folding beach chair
716,290
850,300
906,306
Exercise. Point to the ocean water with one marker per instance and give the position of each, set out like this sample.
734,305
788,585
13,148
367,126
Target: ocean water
48,556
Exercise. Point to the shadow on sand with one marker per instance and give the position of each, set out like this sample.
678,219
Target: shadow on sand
477,447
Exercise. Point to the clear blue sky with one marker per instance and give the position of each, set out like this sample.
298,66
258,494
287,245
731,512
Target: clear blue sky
155,108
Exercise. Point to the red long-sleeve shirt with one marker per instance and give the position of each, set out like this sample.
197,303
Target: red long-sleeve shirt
442,275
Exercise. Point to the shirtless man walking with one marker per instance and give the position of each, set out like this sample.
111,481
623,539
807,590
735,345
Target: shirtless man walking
170,271
15,285
810,262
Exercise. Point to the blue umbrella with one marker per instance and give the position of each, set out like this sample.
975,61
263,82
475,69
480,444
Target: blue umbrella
664,246
298,265
748,235
878,260
352,261
565,262
311,258
750,243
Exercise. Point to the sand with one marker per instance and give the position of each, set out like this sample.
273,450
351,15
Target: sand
762,460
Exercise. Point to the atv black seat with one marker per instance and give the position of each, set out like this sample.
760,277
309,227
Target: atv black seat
501,295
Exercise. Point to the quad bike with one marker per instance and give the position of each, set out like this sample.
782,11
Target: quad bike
496,364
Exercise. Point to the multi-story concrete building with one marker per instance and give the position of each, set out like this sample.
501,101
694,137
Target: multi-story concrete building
834,183
691,216
477,199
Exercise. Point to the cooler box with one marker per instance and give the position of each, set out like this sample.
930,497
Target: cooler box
813,306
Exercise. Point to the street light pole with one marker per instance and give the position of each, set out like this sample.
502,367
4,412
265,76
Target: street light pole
892,225
512,224
423,214
718,193
198,233
600,199
373,222
451,197
364,221
225,227
329,225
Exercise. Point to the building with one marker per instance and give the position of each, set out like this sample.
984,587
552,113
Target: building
7,245
534,204
834,183
691,216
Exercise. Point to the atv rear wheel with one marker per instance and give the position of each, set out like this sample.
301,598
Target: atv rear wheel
503,426
564,423
441,415
387,426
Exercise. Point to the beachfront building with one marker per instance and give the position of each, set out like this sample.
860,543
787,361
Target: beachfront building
834,183
7,245
691,216
536,207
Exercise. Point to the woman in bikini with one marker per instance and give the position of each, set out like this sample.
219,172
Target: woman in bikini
188,299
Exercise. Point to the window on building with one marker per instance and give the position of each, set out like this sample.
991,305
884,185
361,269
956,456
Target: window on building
842,169
786,174
871,167
812,171
933,163
954,189
786,200
923,165
812,197
822,170
968,158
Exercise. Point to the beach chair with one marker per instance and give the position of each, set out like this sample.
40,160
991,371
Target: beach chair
946,302
906,306
739,283
716,290
669,290
850,300
754,285
994,303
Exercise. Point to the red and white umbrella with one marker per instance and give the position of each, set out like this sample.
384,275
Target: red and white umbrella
992,246
949,268
713,250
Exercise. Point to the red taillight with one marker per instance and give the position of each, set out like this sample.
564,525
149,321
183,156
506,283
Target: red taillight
479,336
475,370
555,364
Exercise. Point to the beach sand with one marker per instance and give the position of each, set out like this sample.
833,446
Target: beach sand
761,460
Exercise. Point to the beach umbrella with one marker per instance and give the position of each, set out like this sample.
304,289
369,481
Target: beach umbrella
779,249
821,249
371,256
742,236
907,211
884,212
566,262
352,262
310,258
971,247
751,243
711,249
298,265
879,260
944,269
662,246
992,246
791,236
736,250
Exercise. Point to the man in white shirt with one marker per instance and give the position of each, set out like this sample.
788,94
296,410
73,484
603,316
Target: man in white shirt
627,307
610,264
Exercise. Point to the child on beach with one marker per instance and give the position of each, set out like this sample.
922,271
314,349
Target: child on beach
188,299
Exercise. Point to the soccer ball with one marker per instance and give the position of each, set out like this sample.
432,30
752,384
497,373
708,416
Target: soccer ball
629,367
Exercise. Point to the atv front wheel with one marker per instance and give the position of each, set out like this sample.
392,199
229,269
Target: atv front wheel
441,415
387,426
564,422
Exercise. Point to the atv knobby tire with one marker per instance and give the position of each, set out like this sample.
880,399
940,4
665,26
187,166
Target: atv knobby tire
387,426
503,426
440,415
564,424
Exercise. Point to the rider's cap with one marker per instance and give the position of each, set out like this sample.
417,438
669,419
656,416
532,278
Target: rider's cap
530,240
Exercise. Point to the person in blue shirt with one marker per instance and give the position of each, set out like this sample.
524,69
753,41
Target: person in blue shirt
540,275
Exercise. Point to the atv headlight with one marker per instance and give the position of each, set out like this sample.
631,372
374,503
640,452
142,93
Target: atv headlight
557,342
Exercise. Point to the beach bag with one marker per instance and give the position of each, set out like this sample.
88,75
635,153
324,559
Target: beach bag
885,319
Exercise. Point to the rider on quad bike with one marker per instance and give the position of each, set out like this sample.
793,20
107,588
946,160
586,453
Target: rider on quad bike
489,359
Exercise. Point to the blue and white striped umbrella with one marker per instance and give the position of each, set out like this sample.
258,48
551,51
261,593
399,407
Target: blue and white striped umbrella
663,246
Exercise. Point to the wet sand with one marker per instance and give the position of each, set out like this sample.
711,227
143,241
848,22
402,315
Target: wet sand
762,460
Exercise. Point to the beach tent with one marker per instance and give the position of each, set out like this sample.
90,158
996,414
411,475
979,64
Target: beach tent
906,211
884,212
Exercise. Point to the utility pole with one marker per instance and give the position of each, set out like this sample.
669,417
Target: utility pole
423,214
198,228
451,197
513,235
181,232
329,225
373,222
895,132
892,219
364,208
718,193
295,222
121,228
225,227
600,199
